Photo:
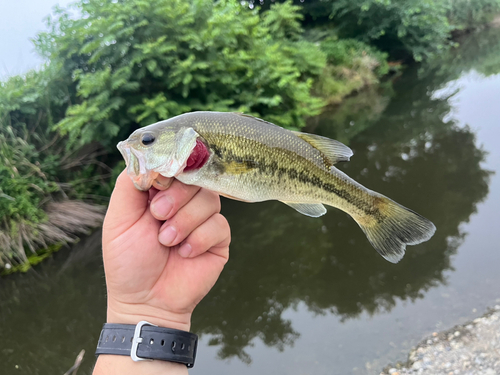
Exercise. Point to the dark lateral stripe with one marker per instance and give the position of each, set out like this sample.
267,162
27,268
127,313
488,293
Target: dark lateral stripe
274,169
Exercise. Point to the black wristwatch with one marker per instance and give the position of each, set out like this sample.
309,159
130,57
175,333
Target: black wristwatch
146,341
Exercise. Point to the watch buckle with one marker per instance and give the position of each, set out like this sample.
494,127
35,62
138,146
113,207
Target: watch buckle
137,339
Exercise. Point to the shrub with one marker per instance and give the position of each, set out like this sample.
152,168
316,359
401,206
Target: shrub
136,62
35,168
352,65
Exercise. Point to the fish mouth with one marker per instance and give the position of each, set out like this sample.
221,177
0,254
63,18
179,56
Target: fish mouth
124,149
136,167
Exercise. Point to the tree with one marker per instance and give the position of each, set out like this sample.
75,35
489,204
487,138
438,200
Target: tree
136,62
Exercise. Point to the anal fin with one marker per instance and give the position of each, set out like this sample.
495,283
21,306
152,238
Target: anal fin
308,209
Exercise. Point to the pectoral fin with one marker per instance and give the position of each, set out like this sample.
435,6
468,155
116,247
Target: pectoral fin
335,151
308,209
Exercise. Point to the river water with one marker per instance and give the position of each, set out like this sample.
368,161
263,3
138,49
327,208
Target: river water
311,296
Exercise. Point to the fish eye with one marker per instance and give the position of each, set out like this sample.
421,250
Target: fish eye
148,139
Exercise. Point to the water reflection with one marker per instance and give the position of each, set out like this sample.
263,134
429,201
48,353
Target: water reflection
280,258
355,115
404,148
48,315
479,52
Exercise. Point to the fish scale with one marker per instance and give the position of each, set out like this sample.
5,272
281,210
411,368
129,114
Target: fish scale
281,174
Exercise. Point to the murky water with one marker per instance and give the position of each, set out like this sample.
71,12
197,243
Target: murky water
310,296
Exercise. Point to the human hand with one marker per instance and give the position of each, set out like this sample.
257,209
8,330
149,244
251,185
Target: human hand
154,272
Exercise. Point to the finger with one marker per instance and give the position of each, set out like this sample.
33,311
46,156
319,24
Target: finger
152,193
127,204
197,211
166,203
214,235
163,183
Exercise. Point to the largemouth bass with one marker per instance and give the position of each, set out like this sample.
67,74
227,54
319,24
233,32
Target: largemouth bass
248,159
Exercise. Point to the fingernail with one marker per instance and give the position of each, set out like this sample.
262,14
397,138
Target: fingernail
167,236
162,206
185,250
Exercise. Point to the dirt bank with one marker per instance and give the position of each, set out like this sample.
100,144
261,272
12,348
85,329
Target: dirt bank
469,349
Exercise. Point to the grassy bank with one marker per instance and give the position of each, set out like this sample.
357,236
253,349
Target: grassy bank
114,66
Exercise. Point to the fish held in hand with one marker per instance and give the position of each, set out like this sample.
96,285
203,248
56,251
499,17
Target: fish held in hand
251,160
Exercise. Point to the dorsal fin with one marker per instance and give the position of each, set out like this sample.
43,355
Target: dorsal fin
254,118
335,151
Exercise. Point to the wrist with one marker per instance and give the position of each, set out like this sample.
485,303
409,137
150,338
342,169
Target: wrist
132,314
114,364
143,343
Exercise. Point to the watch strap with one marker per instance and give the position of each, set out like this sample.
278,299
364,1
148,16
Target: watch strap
146,341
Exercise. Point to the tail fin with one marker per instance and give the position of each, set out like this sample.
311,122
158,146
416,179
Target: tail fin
395,227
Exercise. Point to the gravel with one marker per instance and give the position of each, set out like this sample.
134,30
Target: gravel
469,349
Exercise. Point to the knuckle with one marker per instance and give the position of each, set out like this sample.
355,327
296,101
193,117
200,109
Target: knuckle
199,241
185,224
222,223
214,200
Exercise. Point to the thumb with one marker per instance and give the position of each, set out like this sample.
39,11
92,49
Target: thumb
126,207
